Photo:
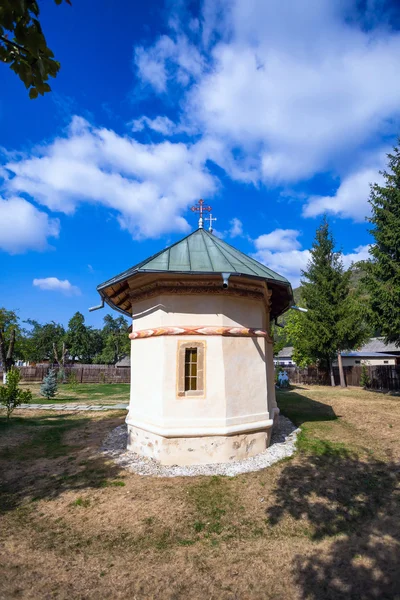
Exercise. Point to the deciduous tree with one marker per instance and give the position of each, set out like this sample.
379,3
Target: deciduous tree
295,331
44,342
115,340
78,339
11,395
23,45
11,342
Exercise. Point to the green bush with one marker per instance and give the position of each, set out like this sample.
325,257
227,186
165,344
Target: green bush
278,370
11,395
61,375
365,380
72,379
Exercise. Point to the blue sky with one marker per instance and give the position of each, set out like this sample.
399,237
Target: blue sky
273,111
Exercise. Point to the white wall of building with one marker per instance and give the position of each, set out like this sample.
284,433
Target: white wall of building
239,372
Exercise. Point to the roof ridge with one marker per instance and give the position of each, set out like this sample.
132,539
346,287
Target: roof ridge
208,254
218,248
188,252
238,258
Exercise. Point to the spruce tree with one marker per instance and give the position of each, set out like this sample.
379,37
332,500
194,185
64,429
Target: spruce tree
335,318
383,270
49,385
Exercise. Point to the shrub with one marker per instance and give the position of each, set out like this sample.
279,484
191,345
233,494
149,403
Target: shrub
11,395
61,375
277,371
365,380
72,379
49,385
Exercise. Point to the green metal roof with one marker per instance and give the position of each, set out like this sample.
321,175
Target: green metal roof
200,252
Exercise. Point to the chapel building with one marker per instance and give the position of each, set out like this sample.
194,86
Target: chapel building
202,369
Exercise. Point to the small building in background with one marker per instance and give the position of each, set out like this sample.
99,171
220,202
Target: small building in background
124,363
284,358
356,359
365,356
377,345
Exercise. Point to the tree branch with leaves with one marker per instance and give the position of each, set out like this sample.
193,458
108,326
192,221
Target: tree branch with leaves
23,45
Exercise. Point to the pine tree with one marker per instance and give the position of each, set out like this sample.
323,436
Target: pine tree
335,318
49,385
383,271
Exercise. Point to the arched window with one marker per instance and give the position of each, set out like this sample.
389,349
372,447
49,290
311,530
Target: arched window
191,362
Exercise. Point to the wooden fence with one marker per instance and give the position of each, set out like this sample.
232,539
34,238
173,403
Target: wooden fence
79,374
385,377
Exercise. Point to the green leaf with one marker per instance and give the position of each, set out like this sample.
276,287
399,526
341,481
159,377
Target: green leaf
33,93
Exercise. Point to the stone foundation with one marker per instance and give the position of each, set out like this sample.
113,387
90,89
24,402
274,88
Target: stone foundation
197,450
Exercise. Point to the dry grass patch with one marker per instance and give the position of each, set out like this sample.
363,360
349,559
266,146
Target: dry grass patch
322,525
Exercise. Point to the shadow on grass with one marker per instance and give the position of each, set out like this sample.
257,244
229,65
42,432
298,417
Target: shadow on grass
354,502
44,464
299,409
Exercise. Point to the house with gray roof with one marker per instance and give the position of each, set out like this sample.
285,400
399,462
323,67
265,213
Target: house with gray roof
284,358
378,345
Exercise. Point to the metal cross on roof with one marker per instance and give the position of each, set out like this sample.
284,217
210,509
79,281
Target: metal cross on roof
201,208
211,219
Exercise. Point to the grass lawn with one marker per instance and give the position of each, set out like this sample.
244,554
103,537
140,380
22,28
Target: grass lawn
83,393
322,525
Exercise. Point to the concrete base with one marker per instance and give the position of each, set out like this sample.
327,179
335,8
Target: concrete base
197,450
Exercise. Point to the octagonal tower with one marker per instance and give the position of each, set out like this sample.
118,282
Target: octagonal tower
202,371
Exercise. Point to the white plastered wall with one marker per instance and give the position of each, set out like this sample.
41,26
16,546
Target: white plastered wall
239,372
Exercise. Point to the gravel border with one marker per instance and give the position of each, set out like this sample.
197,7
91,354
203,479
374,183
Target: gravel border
283,445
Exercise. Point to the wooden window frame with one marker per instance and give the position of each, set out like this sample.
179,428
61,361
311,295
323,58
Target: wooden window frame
200,346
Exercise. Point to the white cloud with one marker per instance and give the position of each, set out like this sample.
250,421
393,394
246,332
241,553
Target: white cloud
349,200
54,284
295,84
283,90
23,227
360,253
151,64
281,251
160,124
280,239
289,263
236,229
274,92
148,185
168,59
